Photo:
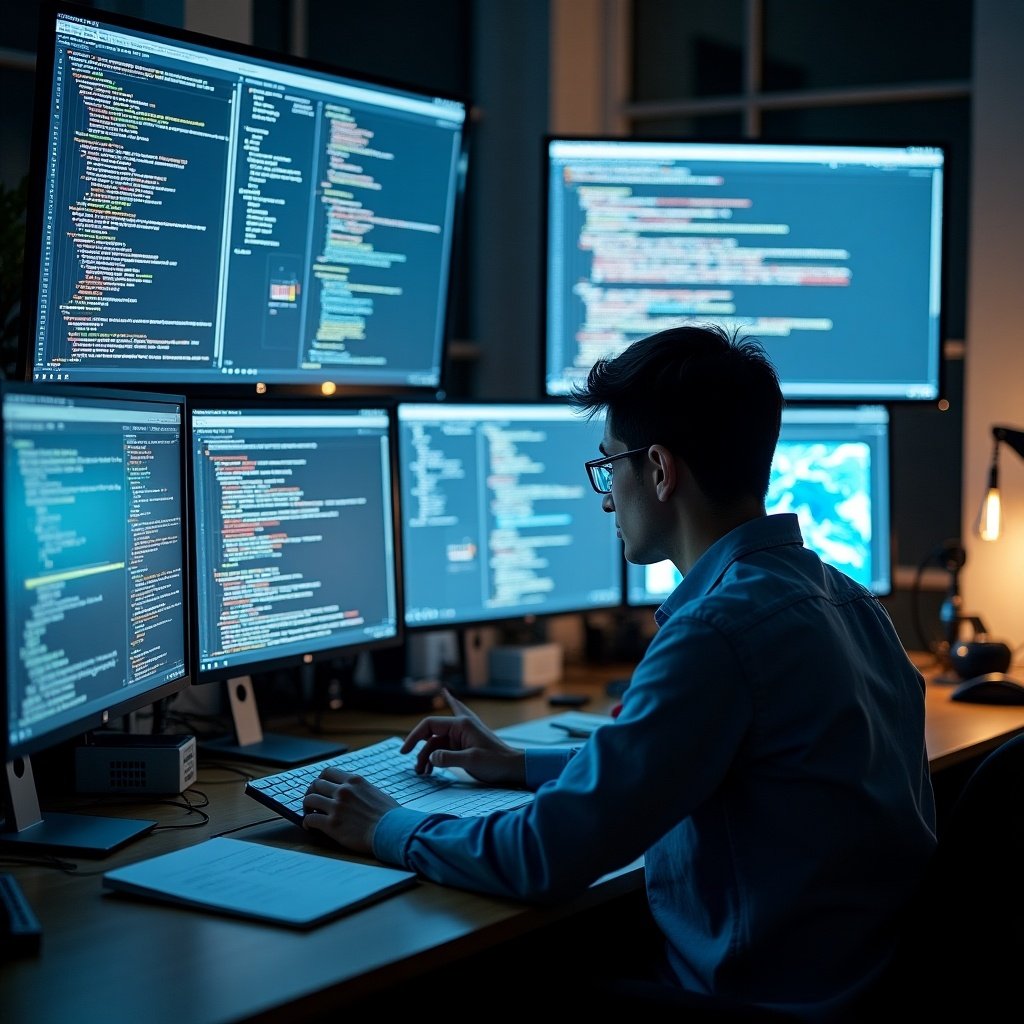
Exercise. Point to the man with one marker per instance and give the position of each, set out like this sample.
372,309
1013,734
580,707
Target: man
768,761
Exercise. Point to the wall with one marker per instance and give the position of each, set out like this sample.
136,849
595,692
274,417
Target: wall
993,578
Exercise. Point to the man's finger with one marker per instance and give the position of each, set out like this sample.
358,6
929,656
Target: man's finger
456,705
424,730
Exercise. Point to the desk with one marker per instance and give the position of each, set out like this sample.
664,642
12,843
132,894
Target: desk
118,961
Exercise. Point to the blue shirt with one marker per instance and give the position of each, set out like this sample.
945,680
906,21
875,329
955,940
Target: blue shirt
768,763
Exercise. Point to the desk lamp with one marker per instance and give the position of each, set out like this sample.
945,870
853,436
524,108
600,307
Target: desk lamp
991,687
990,514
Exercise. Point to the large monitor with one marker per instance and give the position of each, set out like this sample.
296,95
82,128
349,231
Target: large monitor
295,549
831,468
499,522
211,215
831,255
95,568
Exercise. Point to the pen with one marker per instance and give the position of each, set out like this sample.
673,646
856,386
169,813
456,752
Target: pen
579,732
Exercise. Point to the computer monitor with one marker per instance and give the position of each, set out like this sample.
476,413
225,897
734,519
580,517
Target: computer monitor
831,468
499,521
211,216
96,583
295,550
831,255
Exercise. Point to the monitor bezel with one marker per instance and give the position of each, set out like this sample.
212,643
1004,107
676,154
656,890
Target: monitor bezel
50,10
116,707
520,618
787,143
258,666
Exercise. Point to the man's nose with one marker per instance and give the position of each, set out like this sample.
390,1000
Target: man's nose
607,504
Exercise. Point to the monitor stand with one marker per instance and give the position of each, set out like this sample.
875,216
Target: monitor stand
251,743
474,679
392,690
82,835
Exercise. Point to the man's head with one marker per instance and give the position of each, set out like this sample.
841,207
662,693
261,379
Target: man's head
711,398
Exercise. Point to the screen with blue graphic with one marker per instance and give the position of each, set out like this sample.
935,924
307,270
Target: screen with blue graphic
295,534
498,518
830,255
211,216
831,468
95,558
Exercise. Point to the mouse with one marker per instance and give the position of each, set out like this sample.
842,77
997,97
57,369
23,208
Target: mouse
990,688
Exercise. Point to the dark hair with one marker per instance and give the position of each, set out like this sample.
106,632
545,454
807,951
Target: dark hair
711,397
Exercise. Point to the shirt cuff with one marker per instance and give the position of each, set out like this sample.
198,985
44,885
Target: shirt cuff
393,832
543,765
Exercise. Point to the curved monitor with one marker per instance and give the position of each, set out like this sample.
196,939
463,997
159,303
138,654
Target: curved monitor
210,216
498,518
294,531
831,468
830,255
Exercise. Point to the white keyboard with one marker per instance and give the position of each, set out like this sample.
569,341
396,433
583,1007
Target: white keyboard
395,774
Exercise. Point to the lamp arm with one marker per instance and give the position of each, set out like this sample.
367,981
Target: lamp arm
1014,438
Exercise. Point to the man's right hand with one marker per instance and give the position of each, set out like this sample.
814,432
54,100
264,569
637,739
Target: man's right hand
463,741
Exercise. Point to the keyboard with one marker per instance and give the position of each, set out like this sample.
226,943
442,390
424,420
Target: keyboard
393,772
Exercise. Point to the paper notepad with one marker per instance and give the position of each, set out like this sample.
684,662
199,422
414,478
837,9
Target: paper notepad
261,883
566,729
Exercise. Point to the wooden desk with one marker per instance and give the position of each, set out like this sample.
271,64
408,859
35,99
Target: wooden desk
119,961
109,959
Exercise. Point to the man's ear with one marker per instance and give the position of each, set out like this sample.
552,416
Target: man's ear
666,471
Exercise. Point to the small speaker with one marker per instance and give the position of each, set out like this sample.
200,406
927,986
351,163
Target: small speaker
971,658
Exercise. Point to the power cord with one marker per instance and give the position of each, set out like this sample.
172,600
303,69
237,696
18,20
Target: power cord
950,555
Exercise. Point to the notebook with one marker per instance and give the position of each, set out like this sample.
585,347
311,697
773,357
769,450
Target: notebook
259,882
567,729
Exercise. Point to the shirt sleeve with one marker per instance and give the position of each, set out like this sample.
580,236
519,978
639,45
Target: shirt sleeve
682,719
546,764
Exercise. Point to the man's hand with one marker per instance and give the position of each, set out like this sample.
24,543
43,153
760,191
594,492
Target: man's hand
463,741
345,807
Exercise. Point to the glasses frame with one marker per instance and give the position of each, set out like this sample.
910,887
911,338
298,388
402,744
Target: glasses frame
596,466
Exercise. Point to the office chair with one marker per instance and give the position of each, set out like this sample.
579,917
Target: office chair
964,943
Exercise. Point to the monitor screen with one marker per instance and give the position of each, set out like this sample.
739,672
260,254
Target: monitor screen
830,255
212,215
498,518
294,534
831,468
95,558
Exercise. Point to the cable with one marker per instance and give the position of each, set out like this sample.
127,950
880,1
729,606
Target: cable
216,766
915,604
192,809
249,824
950,554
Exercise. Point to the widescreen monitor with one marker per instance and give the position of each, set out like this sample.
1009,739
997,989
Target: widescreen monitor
210,216
295,537
95,566
831,468
499,521
830,255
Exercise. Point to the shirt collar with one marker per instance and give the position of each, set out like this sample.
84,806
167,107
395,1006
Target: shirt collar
758,534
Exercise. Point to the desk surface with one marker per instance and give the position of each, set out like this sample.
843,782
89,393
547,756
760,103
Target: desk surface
117,960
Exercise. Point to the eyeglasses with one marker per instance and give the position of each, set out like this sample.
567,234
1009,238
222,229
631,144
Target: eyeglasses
601,470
